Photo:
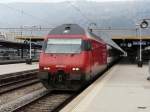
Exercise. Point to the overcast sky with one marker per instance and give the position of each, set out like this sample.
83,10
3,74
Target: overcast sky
9,1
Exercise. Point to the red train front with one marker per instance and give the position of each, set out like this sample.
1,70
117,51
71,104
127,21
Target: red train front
70,57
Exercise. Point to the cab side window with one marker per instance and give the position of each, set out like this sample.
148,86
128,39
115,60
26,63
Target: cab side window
44,45
86,45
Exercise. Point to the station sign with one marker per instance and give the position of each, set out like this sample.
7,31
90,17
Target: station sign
135,43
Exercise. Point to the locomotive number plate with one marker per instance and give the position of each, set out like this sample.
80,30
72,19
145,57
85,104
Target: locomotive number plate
62,66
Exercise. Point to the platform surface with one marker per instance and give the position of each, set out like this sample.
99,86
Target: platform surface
124,88
12,68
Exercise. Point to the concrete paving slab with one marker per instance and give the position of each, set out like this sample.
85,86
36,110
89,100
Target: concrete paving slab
12,68
124,88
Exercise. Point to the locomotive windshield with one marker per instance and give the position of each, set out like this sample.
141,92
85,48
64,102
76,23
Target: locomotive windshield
63,46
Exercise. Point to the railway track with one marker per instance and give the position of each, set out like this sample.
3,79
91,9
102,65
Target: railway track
22,100
42,101
9,82
18,90
48,103
39,100
18,93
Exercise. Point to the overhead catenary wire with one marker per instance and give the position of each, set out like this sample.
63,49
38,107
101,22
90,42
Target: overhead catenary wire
79,10
42,20
25,13
98,29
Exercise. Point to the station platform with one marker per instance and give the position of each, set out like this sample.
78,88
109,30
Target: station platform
124,88
13,68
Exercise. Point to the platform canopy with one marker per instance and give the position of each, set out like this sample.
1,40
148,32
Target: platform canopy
33,38
114,37
130,37
108,39
19,45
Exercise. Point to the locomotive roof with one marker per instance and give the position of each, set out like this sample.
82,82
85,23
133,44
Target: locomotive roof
75,29
107,39
71,28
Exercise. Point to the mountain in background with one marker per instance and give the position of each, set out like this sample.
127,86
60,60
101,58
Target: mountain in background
104,14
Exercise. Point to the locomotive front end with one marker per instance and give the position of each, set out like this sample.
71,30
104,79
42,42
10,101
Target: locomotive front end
62,62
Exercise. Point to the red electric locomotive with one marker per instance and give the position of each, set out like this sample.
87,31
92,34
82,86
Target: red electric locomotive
70,57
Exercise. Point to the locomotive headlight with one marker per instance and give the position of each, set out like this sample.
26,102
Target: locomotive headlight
75,69
46,68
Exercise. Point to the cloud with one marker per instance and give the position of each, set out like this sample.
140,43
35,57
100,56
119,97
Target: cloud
41,1
29,1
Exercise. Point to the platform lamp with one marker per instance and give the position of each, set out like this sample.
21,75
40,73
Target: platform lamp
142,25
29,60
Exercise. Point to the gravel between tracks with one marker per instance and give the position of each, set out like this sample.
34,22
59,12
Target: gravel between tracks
46,104
13,95
13,105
